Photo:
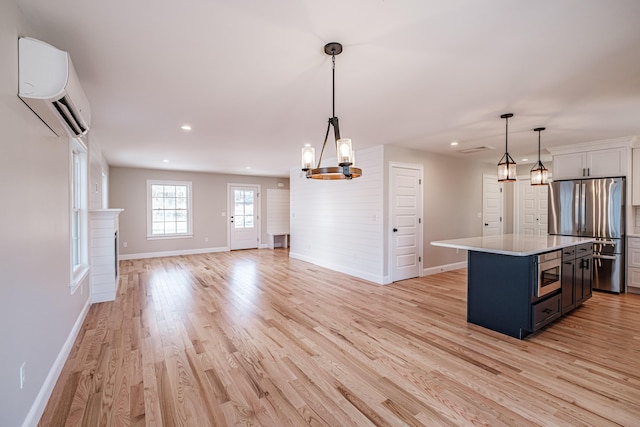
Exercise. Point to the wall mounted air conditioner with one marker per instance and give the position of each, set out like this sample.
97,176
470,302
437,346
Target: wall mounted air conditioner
49,85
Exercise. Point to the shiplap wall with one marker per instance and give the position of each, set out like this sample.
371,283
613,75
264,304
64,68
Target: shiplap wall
339,224
277,211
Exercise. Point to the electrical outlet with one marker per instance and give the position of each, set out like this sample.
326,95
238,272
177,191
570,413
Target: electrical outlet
125,244
206,239
23,374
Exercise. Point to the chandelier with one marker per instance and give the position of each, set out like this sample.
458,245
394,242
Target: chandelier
344,149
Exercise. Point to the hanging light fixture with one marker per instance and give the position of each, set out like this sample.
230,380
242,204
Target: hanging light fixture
539,174
506,165
344,149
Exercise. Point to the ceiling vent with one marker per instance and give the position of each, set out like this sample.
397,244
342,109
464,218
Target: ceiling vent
476,149
49,85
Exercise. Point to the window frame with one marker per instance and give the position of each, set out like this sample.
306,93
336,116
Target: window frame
189,232
78,214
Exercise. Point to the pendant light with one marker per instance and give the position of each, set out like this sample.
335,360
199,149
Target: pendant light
344,149
506,165
539,174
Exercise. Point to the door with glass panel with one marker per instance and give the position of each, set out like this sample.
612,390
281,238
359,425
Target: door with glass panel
244,216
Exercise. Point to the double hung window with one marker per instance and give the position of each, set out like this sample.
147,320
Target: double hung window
169,209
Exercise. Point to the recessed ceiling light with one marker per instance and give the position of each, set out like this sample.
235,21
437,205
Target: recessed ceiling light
525,160
185,127
454,143
248,167
165,161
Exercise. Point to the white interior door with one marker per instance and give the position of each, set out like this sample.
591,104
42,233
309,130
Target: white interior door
492,202
532,208
243,221
406,223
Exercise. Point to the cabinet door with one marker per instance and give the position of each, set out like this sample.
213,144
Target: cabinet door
584,268
572,165
568,284
633,254
607,162
633,278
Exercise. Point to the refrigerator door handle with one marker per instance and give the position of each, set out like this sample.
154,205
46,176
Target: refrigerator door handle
583,205
577,226
611,257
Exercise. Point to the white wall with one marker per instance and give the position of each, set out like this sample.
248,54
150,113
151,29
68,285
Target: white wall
452,198
339,224
128,191
344,225
97,167
37,311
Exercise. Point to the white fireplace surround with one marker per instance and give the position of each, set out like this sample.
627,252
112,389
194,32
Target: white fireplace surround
103,254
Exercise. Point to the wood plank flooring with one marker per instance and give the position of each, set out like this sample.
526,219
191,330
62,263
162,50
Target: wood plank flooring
255,338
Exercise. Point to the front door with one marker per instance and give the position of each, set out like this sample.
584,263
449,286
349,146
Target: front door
406,224
243,221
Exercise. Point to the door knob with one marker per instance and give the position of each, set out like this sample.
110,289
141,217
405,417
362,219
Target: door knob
486,224
395,230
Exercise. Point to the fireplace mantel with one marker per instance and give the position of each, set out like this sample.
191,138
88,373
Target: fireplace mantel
103,253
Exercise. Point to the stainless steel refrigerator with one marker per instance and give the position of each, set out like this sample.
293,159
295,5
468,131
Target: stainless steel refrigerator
593,208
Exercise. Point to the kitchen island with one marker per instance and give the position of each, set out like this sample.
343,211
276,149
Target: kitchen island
516,284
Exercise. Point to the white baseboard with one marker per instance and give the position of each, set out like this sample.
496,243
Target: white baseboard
37,409
173,253
103,297
341,269
442,268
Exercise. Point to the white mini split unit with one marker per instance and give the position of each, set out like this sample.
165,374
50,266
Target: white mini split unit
49,85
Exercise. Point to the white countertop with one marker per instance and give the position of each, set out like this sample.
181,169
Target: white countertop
513,244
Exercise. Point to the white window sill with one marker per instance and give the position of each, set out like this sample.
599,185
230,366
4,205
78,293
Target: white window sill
77,277
170,236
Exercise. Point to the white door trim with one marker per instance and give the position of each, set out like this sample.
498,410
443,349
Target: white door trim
257,208
389,226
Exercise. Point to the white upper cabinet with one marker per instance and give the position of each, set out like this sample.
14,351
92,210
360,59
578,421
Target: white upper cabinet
569,165
594,160
608,162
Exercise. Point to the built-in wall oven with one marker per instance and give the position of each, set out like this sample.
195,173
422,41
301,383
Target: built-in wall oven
549,273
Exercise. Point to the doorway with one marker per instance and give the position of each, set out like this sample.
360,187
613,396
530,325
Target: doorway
244,218
405,206
531,206
492,202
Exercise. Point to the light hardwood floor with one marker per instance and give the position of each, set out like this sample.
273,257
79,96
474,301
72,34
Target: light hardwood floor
255,338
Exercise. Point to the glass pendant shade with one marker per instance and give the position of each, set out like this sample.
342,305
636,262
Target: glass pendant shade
345,152
308,157
506,169
539,174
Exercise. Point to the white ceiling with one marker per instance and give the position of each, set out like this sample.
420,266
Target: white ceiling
251,77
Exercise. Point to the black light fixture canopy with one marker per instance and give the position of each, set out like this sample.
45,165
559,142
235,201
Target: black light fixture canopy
506,165
344,149
539,174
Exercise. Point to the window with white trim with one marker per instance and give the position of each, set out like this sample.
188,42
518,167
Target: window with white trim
79,238
168,209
